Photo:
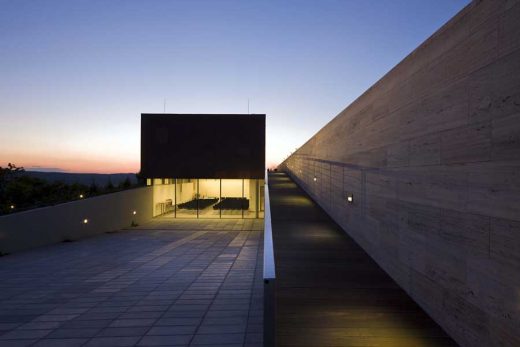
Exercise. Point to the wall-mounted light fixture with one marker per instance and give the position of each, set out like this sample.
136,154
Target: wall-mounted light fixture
81,196
12,207
85,221
350,198
134,213
315,179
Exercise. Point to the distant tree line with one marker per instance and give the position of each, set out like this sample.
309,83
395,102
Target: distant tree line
21,192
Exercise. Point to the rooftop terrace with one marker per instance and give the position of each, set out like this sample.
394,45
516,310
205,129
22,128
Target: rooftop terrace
167,282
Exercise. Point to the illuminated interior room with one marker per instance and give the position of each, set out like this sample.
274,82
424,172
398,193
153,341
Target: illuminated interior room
204,166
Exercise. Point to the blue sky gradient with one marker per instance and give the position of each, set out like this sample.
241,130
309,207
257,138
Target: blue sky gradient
75,75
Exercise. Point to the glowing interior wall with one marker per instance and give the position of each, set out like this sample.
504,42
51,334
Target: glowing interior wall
161,194
209,188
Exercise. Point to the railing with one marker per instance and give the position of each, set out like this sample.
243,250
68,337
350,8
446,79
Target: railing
269,274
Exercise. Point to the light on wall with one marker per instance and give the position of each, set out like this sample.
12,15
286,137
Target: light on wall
315,179
85,221
350,198
81,196
12,207
134,213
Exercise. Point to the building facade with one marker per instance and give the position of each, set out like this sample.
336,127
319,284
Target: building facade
204,165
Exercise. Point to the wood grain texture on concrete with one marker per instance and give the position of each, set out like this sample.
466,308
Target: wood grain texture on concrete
431,154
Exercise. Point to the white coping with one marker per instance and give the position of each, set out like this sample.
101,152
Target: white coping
269,265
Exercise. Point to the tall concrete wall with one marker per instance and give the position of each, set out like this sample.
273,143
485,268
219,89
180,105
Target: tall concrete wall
431,154
43,226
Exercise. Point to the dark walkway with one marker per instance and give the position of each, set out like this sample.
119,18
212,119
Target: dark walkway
329,291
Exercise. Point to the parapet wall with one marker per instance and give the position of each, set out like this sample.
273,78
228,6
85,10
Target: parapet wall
48,225
431,156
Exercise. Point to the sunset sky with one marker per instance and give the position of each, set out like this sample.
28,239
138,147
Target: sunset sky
76,75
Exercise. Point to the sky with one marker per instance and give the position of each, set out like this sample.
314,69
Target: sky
75,75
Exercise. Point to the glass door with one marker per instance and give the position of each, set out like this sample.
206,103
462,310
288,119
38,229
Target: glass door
186,198
232,201
209,197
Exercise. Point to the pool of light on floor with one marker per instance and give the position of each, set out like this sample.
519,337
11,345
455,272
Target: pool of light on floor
391,329
288,185
295,200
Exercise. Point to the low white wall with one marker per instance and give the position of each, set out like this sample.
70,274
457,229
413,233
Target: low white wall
47,225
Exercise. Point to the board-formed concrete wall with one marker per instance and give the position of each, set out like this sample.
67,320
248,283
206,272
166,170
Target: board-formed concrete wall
48,225
431,154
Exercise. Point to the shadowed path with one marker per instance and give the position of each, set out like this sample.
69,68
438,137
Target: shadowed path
329,291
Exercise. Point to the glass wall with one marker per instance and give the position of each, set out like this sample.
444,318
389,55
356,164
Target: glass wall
252,198
163,196
261,201
208,198
185,198
232,201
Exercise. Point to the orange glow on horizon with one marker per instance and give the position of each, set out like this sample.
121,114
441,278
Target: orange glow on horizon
81,165
69,165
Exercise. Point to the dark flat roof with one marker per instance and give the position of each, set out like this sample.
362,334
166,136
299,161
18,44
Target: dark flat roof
202,145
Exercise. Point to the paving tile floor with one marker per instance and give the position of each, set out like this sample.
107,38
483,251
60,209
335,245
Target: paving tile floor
165,283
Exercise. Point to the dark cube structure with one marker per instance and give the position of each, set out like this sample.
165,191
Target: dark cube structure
203,145
205,165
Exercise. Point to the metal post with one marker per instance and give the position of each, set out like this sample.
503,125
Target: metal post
197,197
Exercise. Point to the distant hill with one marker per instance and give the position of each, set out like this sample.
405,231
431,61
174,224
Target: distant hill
83,178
